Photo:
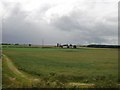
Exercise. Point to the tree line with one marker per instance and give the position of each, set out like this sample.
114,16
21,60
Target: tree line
104,46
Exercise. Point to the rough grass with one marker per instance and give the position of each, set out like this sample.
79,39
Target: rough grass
12,77
67,65
0,73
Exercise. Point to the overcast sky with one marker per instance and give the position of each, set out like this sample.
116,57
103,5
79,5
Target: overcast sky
59,21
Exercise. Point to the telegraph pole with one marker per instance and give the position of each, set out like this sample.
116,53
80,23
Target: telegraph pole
42,42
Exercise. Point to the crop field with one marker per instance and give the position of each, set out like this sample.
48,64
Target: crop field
82,65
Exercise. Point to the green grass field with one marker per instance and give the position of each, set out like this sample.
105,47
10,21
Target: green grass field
83,65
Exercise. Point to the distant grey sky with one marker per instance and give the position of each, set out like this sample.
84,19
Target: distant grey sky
60,21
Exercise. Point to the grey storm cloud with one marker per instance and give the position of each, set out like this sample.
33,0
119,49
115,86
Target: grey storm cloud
17,29
77,27
88,29
77,20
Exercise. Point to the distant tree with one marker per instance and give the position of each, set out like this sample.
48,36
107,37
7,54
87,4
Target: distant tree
6,44
70,45
74,46
16,44
29,44
61,46
58,44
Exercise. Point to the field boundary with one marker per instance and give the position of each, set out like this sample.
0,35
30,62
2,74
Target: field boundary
20,74
27,79
13,68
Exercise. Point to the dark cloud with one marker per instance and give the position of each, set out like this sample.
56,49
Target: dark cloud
17,29
88,29
78,27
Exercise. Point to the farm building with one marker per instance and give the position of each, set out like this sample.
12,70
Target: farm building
66,46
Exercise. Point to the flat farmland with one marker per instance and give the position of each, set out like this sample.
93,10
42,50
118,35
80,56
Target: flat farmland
82,65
